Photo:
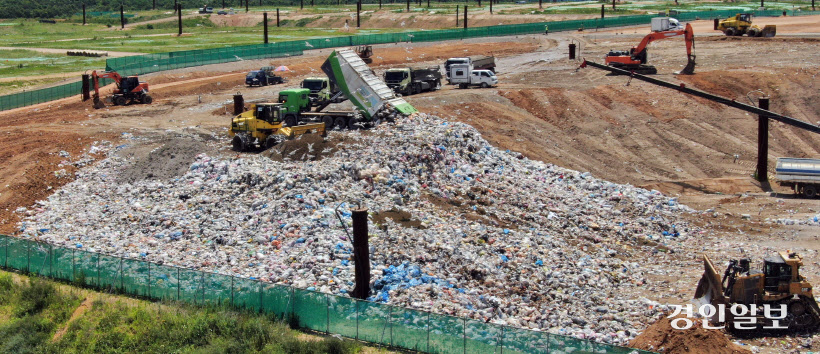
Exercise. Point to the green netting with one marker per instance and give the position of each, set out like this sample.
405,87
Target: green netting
39,259
18,254
374,322
310,309
3,251
277,300
135,277
482,337
409,329
247,294
446,334
109,272
85,268
62,263
190,286
342,316
560,344
164,284
216,289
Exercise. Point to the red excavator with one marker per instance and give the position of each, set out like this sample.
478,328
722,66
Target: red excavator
635,59
129,89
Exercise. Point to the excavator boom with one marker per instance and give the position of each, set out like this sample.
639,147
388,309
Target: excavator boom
636,57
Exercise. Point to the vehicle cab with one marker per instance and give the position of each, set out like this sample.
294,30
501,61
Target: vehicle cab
479,77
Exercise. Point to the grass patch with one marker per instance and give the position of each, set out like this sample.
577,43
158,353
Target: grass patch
35,309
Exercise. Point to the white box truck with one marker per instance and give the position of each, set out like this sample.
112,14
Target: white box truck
802,175
464,76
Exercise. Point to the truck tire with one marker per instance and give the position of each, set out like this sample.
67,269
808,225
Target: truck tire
752,32
729,31
273,140
119,101
328,120
240,142
291,121
147,99
810,191
462,86
340,123
484,85
352,124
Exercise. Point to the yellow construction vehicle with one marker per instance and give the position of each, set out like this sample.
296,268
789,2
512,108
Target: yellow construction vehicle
778,283
263,126
742,24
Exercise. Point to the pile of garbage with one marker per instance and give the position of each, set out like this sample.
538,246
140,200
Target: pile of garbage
495,236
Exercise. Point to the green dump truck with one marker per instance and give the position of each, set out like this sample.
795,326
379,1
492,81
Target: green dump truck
410,81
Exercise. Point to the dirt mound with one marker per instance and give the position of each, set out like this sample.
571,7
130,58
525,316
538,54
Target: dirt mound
169,160
661,337
308,147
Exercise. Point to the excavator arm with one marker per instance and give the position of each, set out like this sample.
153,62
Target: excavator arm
95,77
637,55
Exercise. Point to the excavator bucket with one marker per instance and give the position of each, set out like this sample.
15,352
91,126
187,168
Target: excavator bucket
98,103
769,31
689,69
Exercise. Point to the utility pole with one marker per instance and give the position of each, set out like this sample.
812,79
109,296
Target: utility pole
613,5
456,15
84,14
154,5
265,24
361,255
465,16
602,10
408,5
277,17
358,13
179,18
122,17
491,6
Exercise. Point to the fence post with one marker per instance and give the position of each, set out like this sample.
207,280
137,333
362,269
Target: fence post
122,282
73,266
261,302
464,319
50,260
502,340
149,279
327,322
232,304
98,271
357,318
28,256
428,315
179,285
202,284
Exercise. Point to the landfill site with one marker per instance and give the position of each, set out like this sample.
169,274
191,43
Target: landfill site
560,199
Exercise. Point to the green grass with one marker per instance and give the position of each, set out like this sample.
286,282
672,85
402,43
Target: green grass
33,310
21,62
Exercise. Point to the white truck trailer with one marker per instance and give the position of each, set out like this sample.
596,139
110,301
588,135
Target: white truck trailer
802,175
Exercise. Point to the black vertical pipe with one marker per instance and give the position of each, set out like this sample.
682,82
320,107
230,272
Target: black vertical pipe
572,51
361,254
479,3
465,16
491,6
238,104
358,14
301,4
86,89
84,14
408,5
763,141
175,6
540,4
428,4
179,18
602,10
761,3
456,15
380,4
223,4
265,22
154,5
716,24
122,16
260,2
246,5
277,17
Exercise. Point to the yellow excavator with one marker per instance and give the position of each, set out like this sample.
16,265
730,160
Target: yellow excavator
779,282
741,24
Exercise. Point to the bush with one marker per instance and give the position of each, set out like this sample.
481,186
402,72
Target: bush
35,297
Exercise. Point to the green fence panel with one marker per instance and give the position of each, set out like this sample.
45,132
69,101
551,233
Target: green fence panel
135,277
561,344
482,337
190,286
164,282
62,263
109,272
18,254
40,259
374,322
277,300
410,330
446,334
3,250
519,340
247,294
342,316
216,288
310,309
86,268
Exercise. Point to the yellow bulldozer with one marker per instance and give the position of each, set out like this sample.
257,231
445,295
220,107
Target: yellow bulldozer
265,125
741,24
778,283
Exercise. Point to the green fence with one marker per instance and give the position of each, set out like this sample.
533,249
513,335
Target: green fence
367,321
149,63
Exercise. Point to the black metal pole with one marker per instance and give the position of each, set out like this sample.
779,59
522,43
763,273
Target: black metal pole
602,10
175,6
428,4
457,16
540,4
265,22
761,3
277,17
179,18
154,5
408,5
301,4
223,4
763,141
122,16
380,4
722,100
491,6
84,14
358,14
479,3
613,4
246,5
465,16
361,254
